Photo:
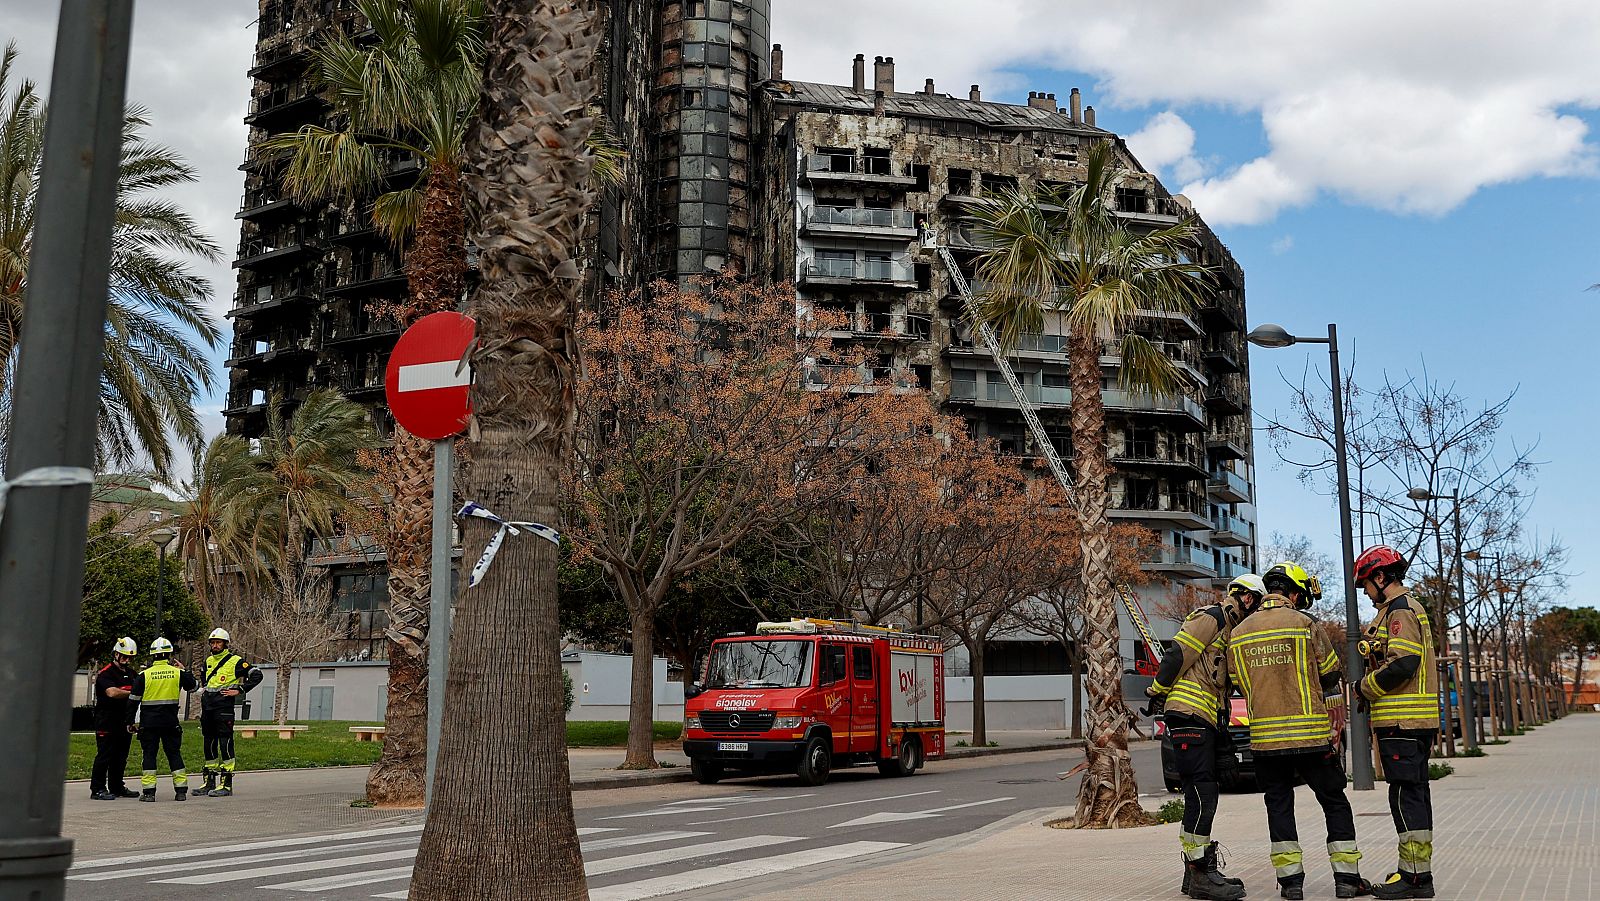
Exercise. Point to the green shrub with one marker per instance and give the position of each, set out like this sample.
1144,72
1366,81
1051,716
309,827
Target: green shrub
566,688
1170,812
1438,771
1474,752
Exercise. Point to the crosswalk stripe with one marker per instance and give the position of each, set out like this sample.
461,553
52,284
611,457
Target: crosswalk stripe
776,813
732,872
185,853
671,855
591,830
644,838
218,862
344,880
258,872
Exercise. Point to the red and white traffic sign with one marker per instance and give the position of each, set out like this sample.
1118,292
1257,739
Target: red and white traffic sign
426,382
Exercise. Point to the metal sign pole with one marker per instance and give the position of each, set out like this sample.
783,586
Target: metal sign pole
439,598
45,518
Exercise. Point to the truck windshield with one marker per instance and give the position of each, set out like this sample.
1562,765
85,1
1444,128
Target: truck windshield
760,664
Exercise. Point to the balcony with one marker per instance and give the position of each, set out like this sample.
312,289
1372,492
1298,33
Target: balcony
278,62
264,204
248,352
1228,569
1228,529
274,249
253,300
1187,409
834,272
338,332
283,104
847,169
1182,557
1228,443
1226,395
1222,354
1184,510
1187,457
1176,321
367,274
1228,486
996,393
1137,206
1181,353
1049,348
894,225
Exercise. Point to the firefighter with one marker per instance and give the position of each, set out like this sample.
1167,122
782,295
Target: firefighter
227,677
112,685
1289,674
156,690
1192,685
1400,694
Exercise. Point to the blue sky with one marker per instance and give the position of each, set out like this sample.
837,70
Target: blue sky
1423,173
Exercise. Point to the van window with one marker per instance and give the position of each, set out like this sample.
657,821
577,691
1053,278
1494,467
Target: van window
832,664
861,658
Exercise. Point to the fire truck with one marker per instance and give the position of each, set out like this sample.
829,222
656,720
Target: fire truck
811,695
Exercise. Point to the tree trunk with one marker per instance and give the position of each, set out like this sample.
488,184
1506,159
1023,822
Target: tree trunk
436,265
1076,662
1108,795
980,725
504,722
641,690
280,691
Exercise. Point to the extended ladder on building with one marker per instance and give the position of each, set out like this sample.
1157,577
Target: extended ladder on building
1153,652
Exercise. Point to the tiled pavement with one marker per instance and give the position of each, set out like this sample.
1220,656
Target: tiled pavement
1522,823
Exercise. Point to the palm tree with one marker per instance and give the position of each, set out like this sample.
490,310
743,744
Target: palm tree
1067,250
306,478
157,328
532,187
414,92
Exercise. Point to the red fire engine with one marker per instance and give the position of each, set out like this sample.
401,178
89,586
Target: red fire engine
810,695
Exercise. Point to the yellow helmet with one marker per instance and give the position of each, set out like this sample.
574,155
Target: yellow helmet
1290,574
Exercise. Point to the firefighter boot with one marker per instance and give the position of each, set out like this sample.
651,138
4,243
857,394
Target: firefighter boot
227,787
1203,881
210,786
1404,885
181,793
1350,886
148,794
1292,888
1210,860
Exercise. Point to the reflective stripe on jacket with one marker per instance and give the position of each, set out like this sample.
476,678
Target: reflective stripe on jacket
156,691
1286,668
1201,682
1400,690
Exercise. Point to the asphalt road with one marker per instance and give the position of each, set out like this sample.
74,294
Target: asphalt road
682,840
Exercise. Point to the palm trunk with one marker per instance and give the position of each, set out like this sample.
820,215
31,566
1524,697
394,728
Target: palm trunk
529,180
642,692
1108,795
1075,661
980,725
436,275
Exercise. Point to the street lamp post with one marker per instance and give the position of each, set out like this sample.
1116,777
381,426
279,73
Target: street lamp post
162,538
1471,728
1354,666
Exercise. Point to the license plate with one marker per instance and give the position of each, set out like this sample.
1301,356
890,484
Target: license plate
733,746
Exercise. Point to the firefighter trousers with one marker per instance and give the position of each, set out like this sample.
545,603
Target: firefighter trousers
1322,772
1194,752
216,727
170,740
110,758
1405,768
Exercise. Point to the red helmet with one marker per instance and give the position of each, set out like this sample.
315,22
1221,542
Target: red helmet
1377,558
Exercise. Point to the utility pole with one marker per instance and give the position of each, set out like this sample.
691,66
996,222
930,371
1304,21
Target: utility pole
49,467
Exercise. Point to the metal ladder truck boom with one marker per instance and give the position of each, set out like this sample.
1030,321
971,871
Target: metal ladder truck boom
986,334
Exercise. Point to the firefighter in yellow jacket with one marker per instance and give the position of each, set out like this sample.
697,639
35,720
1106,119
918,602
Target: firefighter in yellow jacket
1401,694
1192,685
1289,674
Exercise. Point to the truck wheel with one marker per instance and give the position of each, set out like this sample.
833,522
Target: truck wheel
814,762
705,772
902,764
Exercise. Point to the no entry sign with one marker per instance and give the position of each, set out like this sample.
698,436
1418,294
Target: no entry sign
426,383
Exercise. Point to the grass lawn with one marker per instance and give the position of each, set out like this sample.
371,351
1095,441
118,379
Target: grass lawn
324,743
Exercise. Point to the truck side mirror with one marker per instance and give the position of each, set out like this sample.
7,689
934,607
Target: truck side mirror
693,689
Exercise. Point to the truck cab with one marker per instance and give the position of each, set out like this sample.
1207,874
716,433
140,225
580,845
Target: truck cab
808,696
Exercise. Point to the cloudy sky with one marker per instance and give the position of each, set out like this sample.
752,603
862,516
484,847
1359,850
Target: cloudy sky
1422,173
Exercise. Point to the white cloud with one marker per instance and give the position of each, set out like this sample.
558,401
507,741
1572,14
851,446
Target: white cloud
1283,245
1408,107
1166,144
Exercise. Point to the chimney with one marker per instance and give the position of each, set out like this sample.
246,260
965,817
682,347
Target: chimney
927,87
858,79
883,74
974,94
1088,117
1041,100
1075,104
877,104
777,62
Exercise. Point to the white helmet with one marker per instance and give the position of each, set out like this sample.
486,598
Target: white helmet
160,646
1249,582
219,633
126,646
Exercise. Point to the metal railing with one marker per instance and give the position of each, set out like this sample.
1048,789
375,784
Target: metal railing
1122,399
859,270
1227,477
1224,521
861,217
250,295
1149,452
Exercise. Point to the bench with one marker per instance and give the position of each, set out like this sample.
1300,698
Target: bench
284,732
368,733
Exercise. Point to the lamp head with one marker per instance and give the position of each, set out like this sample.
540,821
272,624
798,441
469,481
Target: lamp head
1421,494
162,537
1270,335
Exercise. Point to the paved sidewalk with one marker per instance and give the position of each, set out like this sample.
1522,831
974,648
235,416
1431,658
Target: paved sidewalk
1522,824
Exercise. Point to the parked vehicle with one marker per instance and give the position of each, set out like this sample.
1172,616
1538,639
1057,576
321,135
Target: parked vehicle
1238,727
809,696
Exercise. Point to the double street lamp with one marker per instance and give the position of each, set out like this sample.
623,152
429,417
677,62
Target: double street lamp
1470,727
1274,336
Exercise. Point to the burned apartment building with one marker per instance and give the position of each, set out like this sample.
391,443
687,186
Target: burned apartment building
732,168
858,182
